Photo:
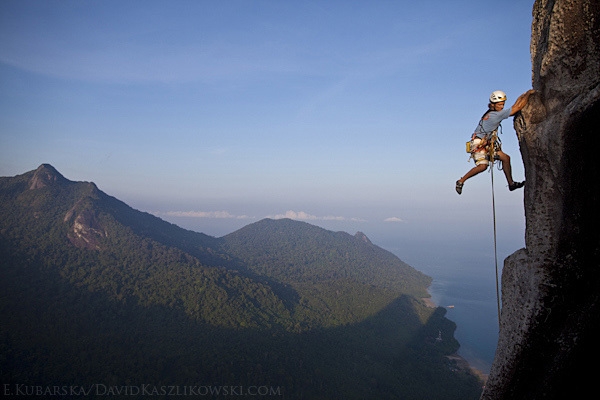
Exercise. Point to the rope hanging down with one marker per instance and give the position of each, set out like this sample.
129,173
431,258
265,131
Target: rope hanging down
492,159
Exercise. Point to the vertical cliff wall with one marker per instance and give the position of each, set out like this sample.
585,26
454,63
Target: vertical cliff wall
549,341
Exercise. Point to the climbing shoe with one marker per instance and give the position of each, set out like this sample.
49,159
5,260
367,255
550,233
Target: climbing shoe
515,185
459,186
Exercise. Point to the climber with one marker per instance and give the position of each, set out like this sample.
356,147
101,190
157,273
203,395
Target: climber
487,127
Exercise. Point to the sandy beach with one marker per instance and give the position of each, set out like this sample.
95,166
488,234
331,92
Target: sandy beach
464,365
428,302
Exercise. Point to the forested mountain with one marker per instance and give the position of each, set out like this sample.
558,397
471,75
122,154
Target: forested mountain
94,292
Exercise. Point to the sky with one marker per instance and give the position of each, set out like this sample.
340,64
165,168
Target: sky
350,115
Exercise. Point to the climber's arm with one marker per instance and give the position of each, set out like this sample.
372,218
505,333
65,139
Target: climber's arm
520,102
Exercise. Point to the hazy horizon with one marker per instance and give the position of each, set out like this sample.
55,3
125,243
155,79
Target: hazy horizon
351,114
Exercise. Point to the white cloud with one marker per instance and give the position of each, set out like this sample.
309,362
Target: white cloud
301,215
203,214
393,219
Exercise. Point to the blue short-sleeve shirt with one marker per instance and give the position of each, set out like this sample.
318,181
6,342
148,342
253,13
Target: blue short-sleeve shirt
491,121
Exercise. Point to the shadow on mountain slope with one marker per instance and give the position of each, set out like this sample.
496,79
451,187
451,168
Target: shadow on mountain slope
55,333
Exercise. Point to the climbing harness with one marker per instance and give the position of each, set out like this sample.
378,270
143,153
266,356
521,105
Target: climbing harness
491,140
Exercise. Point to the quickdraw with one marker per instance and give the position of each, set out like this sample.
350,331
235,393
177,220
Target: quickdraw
493,146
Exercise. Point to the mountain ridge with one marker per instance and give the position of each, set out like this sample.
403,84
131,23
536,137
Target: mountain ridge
91,285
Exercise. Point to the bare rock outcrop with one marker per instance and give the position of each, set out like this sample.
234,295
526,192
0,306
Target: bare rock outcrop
548,343
85,230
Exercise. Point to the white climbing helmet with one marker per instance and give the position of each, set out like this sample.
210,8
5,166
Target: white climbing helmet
497,96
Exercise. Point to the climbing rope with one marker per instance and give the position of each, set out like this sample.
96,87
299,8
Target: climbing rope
495,140
492,159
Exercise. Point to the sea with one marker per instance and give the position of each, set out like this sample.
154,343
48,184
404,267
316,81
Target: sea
469,296
465,284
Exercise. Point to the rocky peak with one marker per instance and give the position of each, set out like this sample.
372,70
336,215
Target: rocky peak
361,236
46,175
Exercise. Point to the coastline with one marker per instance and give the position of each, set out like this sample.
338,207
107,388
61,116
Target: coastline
461,363
428,302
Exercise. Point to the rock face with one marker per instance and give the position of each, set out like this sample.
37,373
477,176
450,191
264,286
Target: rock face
85,229
548,344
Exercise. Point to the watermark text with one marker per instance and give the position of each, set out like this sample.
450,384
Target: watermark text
99,389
